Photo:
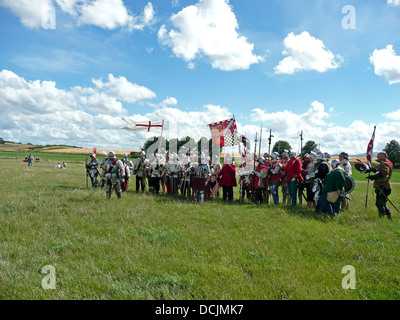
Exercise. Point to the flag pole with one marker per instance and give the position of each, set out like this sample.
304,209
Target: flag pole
159,143
259,146
366,198
370,150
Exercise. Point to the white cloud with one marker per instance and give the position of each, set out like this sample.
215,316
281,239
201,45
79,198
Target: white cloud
386,64
107,14
29,12
209,29
168,101
39,111
287,125
393,116
394,3
306,53
120,88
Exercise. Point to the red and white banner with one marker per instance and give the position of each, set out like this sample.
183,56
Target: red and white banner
370,148
224,133
148,126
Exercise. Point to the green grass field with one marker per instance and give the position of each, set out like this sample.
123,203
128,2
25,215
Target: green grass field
160,247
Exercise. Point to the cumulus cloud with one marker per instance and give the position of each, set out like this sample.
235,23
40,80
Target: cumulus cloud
120,88
168,101
306,53
147,18
394,115
40,111
106,14
387,64
30,12
287,125
209,28
394,3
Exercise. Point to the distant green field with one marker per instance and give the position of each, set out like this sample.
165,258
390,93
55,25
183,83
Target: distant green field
46,156
161,247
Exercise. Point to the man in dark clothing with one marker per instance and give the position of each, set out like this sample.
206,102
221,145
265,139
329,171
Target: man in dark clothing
382,185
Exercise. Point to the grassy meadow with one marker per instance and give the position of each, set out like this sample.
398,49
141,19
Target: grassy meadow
161,247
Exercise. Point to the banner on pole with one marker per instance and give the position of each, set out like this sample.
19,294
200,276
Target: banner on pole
224,133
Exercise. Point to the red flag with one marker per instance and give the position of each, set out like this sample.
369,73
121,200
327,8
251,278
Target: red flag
95,151
370,148
224,133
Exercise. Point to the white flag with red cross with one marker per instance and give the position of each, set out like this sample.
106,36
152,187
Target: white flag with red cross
145,126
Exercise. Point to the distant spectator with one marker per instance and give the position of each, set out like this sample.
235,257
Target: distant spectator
64,165
30,160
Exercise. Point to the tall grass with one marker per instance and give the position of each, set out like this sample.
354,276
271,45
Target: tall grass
161,247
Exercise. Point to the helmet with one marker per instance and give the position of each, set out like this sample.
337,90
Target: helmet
306,155
320,156
345,155
266,155
93,156
285,153
313,155
142,153
112,155
335,163
125,155
292,153
215,159
275,155
261,160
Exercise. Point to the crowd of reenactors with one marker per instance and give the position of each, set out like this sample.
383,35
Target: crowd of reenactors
323,184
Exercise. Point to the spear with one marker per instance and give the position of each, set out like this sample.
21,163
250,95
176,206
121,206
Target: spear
259,147
254,168
86,172
301,145
269,143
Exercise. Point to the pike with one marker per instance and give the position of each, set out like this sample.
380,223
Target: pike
269,154
259,147
389,201
301,145
86,173
254,168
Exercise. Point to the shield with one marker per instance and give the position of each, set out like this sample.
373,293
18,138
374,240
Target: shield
349,184
360,166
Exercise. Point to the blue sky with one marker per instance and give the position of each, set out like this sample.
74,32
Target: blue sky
286,65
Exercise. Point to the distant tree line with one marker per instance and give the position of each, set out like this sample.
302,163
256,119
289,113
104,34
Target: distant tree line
393,151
